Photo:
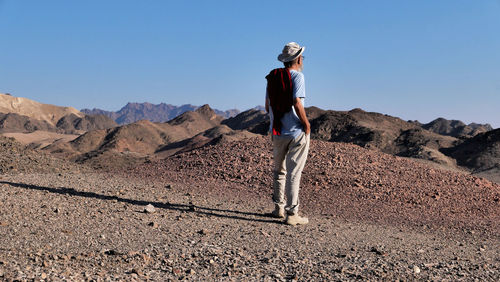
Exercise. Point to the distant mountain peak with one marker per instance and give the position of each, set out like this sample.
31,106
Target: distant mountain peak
456,128
162,112
206,111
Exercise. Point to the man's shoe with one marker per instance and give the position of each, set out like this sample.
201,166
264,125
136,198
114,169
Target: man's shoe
296,220
278,212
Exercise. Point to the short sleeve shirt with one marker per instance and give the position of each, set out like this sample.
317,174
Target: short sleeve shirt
291,125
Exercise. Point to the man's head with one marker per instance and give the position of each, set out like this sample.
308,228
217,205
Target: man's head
291,56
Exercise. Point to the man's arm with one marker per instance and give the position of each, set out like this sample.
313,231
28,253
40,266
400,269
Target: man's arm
301,113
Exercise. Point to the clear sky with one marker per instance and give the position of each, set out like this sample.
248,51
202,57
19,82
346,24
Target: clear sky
411,59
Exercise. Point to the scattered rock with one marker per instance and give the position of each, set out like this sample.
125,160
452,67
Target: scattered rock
149,209
416,269
378,252
111,253
137,271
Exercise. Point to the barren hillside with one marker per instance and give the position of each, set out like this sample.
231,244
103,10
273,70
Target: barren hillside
26,107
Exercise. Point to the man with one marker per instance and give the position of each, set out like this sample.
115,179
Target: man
290,131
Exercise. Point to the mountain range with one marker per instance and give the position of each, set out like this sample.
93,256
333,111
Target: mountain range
133,112
99,141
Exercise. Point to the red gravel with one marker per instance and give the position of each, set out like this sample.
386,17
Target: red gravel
344,181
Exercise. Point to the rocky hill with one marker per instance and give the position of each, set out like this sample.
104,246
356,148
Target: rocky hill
480,153
372,130
12,122
456,128
17,158
253,120
397,137
25,115
142,139
345,181
133,112
32,109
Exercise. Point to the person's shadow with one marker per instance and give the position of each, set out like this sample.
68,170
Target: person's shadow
247,216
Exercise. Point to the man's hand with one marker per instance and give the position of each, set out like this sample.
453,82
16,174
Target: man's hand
307,128
301,113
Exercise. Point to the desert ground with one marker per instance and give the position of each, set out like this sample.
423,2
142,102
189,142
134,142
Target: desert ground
154,192
203,215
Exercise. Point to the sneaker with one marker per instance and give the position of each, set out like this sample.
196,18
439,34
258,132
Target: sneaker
278,212
296,219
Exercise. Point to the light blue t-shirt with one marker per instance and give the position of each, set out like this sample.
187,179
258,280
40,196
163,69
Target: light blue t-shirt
291,125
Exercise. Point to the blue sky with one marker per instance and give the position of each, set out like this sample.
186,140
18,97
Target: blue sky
411,59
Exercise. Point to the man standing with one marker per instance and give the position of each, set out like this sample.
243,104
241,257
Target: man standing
290,131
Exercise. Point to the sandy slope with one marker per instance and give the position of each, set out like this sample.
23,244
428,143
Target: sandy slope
41,138
33,109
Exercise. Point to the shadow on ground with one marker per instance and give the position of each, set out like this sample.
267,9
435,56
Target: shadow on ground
239,215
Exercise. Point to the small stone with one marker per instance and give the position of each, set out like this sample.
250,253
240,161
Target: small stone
191,272
111,252
137,271
149,209
378,252
483,247
203,232
57,210
420,251
416,269
153,224
43,276
168,186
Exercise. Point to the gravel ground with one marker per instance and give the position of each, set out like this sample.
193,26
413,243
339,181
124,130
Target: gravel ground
93,226
346,182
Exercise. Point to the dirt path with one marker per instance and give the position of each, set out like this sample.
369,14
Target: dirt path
93,227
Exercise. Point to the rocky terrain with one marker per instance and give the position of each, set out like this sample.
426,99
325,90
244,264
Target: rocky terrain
203,215
142,139
189,199
162,112
17,158
482,153
437,142
434,142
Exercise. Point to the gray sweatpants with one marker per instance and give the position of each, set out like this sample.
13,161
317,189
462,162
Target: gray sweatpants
290,155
